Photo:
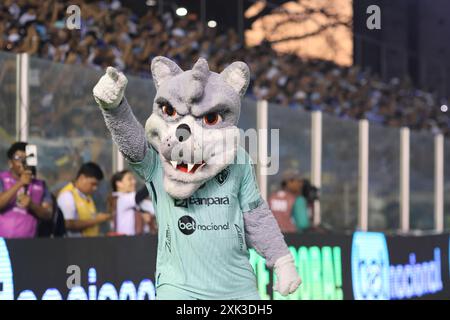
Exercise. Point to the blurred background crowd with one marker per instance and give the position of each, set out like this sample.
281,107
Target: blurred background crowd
112,34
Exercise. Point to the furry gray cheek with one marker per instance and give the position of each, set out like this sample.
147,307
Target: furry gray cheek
154,127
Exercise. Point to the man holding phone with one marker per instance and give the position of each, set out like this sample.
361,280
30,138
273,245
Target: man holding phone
23,198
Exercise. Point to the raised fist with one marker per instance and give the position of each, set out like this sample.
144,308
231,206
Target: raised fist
108,92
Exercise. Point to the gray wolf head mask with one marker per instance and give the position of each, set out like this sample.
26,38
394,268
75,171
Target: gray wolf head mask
193,123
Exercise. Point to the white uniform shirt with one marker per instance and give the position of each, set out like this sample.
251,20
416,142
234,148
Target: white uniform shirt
125,213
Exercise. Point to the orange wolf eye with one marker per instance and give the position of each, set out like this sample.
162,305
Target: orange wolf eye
212,119
169,110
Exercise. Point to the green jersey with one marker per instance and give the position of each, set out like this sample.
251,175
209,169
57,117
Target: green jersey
201,240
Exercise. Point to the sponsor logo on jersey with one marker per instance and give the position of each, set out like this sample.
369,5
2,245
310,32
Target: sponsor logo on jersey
188,225
210,201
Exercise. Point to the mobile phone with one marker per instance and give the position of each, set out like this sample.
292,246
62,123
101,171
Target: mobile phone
31,155
31,158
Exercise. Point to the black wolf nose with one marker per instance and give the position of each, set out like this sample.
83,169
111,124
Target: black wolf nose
183,132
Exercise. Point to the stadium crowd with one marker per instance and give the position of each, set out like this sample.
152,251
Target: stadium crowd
119,37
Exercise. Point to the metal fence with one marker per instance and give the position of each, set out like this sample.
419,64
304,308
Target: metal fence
371,177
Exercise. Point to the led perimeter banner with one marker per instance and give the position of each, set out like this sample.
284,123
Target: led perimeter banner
363,266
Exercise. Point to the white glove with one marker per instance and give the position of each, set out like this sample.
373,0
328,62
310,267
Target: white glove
108,92
287,278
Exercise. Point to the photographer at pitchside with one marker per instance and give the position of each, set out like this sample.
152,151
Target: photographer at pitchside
23,198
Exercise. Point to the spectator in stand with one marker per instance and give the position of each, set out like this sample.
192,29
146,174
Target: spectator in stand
300,211
127,219
147,209
288,206
77,205
23,198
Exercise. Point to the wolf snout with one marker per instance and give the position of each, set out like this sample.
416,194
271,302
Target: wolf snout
183,132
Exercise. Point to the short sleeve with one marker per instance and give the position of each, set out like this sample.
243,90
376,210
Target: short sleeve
66,203
147,167
147,206
249,195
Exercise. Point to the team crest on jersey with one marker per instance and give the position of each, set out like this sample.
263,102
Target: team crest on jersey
222,177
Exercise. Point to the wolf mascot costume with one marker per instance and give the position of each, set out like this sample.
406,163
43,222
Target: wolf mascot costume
208,206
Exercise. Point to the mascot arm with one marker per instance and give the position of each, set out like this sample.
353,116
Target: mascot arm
263,233
126,131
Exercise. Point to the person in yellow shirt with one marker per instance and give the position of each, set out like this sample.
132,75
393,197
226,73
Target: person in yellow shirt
76,203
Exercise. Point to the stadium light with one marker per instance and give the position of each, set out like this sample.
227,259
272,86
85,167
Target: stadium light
212,24
181,12
444,108
151,3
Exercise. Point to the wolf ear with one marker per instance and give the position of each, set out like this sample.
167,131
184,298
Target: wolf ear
163,69
237,75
